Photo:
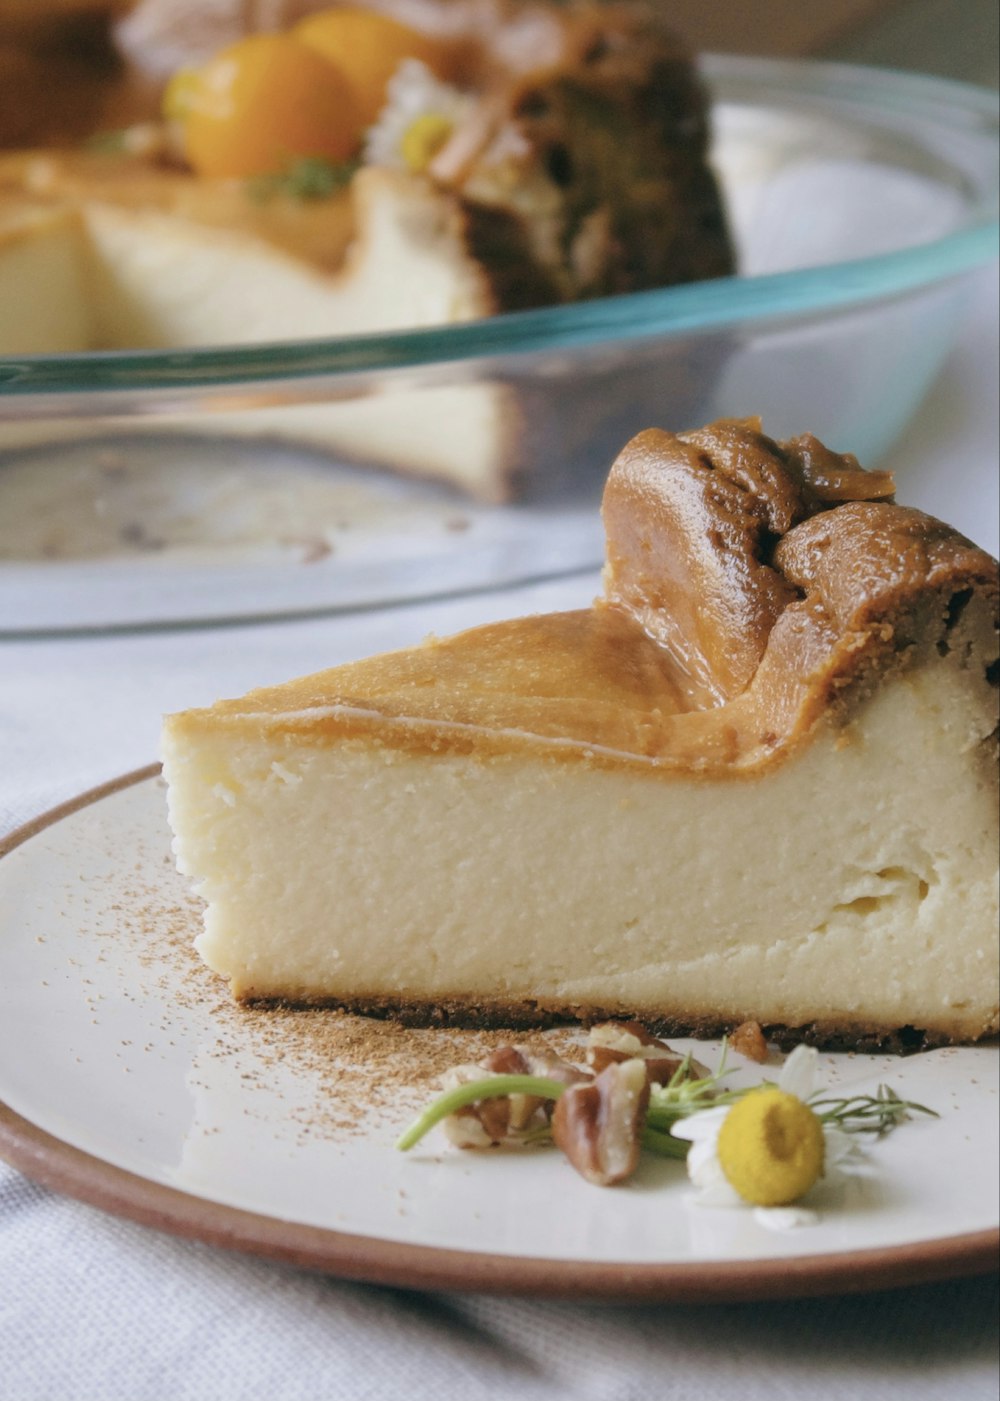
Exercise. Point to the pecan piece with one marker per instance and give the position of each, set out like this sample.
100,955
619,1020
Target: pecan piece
480,1125
598,1125
518,1060
623,1034
492,1121
615,1042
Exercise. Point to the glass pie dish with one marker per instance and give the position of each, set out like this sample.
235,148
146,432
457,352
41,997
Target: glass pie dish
149,488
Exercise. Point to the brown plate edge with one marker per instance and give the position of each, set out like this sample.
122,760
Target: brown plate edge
83,800
58,1165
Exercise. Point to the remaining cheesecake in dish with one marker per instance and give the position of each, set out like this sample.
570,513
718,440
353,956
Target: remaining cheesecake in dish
523,156
755,781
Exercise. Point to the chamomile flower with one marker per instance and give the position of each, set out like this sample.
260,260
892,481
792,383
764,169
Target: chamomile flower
419,117
765,1146
767,1149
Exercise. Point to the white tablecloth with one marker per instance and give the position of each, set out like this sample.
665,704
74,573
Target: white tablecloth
94,1307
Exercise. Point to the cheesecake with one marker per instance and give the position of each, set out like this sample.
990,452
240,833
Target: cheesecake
568,161
755,781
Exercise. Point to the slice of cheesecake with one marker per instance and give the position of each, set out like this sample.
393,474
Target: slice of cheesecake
755,781
577,168
102,254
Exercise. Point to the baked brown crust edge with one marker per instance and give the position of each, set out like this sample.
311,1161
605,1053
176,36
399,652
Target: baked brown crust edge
472,1015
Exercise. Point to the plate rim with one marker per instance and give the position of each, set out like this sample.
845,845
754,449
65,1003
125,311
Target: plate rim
60,1166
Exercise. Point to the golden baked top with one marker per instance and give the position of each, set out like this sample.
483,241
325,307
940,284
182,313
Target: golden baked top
752,589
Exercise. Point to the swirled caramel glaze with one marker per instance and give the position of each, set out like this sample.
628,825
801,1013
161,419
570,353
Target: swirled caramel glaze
752,590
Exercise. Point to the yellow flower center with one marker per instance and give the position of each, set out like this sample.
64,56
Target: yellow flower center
423,138
771,1147
181,94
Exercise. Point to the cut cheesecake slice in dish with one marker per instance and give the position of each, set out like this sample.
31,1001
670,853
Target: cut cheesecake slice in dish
571,163
756,780
121,257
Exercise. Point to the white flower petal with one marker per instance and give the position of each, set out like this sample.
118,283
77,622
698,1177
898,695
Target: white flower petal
705,1171
412,92
799,1072
784,1218
719,1194
703,1166
509,144
842,1157
838,1146
705,1124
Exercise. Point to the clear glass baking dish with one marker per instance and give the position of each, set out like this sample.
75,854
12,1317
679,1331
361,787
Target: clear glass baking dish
150,488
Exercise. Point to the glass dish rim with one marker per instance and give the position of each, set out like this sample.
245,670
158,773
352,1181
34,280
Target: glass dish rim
660,313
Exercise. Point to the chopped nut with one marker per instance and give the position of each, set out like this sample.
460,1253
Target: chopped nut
615,1042
520,1109
598,1125
748,1039
479,1125
518,1060
623,1036
506,1060
466,1129
660,1070
491,1121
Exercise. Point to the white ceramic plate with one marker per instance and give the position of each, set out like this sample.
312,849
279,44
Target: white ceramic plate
128,1079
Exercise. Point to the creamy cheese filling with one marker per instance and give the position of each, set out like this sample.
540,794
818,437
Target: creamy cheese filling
850,884
142,279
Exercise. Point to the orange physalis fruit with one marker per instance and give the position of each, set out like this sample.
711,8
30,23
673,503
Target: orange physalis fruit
260,105
368,47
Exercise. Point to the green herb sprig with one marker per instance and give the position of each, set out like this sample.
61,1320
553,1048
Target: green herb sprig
877,1114
680,1097
309,178
108,142
491,1087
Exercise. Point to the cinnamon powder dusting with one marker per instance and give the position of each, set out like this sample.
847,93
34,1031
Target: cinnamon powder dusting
354,1069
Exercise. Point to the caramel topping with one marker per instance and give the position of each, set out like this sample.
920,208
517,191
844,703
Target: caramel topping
746,598
691,524
686,518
